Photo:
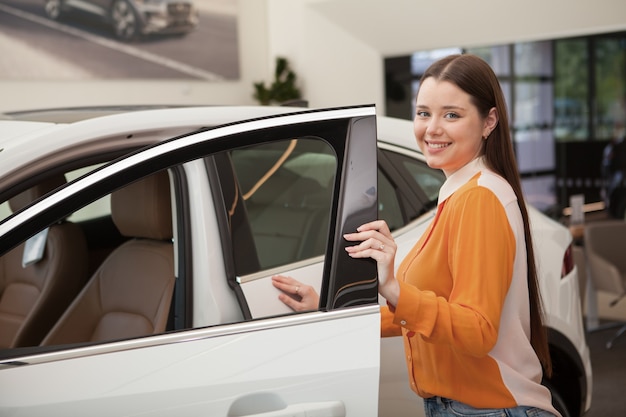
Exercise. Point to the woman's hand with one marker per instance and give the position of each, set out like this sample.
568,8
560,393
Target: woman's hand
297,296
378,244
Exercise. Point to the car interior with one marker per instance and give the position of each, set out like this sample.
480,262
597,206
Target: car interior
81,288
130,293
287,194
35,292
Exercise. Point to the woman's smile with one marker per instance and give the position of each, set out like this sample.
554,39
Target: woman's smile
437,145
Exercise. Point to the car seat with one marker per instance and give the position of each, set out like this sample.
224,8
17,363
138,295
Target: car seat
130,294
33,296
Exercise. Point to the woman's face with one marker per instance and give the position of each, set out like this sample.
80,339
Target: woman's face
448,128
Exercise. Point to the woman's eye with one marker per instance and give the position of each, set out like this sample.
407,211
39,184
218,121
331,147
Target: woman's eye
422,113
451,116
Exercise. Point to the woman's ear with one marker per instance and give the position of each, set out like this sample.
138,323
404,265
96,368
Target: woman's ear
491,121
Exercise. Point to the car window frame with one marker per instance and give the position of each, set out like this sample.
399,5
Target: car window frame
350,157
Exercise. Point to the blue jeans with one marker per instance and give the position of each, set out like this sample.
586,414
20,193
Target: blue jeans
443,407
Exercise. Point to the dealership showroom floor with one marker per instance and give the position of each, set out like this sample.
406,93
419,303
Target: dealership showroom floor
609,373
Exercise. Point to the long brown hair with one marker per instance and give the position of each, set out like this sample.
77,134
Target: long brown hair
474,76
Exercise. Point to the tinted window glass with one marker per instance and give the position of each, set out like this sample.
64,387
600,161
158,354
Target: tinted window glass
389,208
428,179
287,189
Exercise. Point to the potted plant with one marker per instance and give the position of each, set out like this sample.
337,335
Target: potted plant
282,90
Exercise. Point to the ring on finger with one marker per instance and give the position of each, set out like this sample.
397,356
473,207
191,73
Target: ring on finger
381,247
297,289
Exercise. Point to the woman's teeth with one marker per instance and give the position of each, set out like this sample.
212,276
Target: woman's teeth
437,145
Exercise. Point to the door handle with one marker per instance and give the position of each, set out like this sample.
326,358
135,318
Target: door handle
319,409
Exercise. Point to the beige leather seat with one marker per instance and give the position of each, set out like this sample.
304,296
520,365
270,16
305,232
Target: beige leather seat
130,293
289,219
605,246
33,297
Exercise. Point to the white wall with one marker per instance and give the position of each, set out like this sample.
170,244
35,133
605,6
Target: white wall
337,47
335,67
395,27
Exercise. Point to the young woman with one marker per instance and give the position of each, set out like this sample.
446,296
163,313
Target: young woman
466,298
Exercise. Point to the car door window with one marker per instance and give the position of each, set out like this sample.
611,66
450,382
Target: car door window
279,196
287,191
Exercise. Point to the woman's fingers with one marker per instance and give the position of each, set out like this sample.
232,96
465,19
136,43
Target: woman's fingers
374,240
378,225
374,230
286,284
370,247
290,302
296,295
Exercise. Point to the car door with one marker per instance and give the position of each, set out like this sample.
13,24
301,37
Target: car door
324,362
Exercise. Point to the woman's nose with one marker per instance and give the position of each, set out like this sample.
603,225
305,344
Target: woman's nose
433,128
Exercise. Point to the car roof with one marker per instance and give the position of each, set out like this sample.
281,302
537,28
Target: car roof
49,135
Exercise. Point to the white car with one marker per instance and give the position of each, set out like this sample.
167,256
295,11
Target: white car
121,297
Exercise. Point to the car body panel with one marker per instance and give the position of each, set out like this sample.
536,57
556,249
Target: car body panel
209,371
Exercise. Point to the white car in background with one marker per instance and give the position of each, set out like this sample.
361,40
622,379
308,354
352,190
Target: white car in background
169,308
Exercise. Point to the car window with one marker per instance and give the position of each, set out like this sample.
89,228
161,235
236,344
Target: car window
422,179
389,208
407,187
5,211
287,188
98,208
428,179
279,196
82,261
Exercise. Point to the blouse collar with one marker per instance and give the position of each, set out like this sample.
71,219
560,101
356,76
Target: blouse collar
460,178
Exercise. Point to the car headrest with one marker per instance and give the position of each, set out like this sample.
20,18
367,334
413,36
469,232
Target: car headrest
25,198
143,208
